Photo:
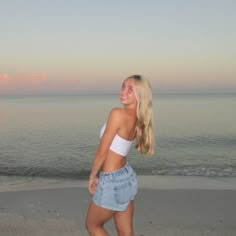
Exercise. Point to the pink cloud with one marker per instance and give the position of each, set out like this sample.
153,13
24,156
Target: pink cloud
38,83
21,82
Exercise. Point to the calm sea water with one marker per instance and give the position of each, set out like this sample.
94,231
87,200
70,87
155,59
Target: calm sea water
57,136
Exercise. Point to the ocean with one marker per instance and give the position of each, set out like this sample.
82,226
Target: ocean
56,136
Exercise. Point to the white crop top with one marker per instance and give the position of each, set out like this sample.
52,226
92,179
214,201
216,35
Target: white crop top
119,145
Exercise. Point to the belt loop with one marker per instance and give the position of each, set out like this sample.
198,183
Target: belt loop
111,176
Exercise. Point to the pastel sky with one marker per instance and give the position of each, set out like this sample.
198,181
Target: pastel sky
73,46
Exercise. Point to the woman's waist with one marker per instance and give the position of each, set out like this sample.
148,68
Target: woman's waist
113,162
125,169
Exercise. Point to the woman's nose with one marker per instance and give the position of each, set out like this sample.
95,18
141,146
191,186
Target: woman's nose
124,91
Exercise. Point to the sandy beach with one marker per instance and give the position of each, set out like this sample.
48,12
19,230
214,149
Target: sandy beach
165,205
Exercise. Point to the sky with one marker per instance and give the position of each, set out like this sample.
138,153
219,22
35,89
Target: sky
91,46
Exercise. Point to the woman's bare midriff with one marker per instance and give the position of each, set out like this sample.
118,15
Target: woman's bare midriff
113,162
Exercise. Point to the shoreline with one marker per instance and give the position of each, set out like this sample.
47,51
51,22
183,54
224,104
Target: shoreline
162,182
164,206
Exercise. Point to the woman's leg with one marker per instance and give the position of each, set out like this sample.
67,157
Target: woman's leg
124,221
95,219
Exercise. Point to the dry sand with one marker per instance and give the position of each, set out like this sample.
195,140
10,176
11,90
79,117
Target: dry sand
165,206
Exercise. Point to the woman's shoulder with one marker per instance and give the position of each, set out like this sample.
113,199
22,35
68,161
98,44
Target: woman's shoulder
118,112
122,114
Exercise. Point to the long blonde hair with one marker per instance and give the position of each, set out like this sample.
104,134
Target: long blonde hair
145,142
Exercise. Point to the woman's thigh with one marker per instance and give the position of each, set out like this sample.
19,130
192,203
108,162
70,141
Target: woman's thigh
124,220
97,215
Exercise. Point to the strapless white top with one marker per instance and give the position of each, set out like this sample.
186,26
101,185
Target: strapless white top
119,145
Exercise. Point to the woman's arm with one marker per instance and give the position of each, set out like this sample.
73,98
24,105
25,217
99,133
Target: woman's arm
104,145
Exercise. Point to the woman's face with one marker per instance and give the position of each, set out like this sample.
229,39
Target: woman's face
127,93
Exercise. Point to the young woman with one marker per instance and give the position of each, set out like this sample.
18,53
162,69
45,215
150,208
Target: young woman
115,189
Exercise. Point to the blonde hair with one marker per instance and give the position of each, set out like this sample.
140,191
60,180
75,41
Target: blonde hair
145,143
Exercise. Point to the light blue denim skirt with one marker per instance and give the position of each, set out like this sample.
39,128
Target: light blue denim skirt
116,189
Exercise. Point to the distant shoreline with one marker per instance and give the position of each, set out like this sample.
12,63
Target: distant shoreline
93,93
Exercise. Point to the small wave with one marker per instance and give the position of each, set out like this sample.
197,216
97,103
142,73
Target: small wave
46,172
209,140
197,171
82,171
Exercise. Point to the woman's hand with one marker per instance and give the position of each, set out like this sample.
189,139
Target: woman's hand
93,185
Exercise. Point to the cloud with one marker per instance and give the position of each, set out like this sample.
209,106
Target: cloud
37,83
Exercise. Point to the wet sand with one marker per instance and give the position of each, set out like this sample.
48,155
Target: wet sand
165,205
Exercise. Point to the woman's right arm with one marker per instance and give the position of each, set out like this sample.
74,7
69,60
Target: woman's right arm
103,147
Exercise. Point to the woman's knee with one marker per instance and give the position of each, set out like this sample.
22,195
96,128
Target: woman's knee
128,231
124,229
94,228
90,228
88,225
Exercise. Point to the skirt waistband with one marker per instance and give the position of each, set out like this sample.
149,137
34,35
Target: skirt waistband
125,169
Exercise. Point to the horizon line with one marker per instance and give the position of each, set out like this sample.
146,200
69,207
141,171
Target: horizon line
88,93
